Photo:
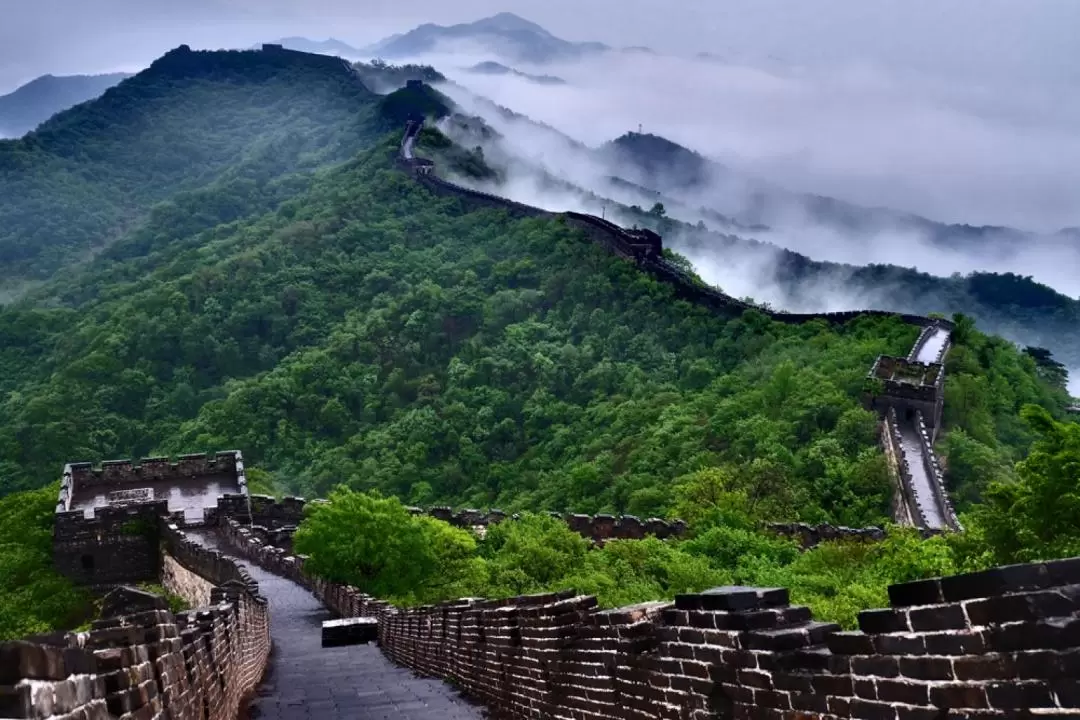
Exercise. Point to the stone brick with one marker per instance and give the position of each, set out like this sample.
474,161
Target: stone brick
1019,695
851,643
920,592
957,695
874,622
939,617
903,691
926,668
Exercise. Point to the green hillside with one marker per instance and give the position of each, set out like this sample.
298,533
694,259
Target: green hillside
89,174
269,279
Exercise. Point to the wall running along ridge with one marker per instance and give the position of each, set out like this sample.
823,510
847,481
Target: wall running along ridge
992,644
647,253
141,661
285,515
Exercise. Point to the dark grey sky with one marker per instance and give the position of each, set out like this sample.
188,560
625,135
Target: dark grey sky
1030,37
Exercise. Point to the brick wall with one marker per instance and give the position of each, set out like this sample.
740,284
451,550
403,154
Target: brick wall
643,250
117,545
992,644
274,515
142,661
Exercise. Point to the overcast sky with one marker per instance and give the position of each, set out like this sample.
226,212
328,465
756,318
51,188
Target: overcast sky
1022,38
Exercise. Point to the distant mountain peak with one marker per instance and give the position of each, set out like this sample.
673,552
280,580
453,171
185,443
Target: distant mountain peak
505,34
35,102
509,22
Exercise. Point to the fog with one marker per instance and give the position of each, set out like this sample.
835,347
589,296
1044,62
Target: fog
990,154
610,95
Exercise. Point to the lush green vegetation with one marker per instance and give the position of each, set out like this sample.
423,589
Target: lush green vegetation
34,598
353,333
84,177
1035,517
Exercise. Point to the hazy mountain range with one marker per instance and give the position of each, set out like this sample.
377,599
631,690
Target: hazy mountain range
491,67
35,102
504,34
330,46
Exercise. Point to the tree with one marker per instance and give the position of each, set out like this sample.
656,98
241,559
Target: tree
658,210
1038,517
34,598
375,544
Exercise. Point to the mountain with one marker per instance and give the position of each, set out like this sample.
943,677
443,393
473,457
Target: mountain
494,68
256,270
38,100
1013,305
94,172
329,46
668,167
505,35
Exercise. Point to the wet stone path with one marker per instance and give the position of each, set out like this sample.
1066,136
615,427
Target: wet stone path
306,681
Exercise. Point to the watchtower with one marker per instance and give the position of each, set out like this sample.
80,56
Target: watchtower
107,524
908,386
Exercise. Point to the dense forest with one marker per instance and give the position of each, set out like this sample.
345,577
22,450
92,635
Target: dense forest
354,334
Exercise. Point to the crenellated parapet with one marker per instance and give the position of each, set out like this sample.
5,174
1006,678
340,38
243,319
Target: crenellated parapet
281,517
140,660
1001,643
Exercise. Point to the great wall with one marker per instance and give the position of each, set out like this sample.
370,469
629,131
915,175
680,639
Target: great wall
1001,643
908,392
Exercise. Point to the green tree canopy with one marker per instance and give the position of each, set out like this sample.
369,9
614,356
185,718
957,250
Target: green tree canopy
374,543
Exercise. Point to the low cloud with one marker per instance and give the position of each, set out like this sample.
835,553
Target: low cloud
734,114
956,152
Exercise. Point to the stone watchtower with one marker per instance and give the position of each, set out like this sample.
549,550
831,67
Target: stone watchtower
107,524
908,386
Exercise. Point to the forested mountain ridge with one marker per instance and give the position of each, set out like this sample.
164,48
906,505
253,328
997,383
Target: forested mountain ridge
1012,305
345,326
31,104
75,184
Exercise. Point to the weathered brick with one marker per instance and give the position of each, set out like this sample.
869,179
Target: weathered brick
926,668
874,622
903,691
958,695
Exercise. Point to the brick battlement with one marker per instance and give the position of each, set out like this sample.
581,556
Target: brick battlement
142,661
288,512
992,644
105,530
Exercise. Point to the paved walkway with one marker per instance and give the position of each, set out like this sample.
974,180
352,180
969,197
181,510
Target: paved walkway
920,478
306,681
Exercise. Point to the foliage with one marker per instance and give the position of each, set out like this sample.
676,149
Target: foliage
82,178
987,384
375,544
34,598
1038,516
176,602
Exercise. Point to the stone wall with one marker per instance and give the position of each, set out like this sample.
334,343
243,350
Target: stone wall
645,250
141,660
285,514
117,545
992,644
180,581
937,477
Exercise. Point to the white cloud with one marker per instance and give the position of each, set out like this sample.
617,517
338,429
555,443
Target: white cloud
989,154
